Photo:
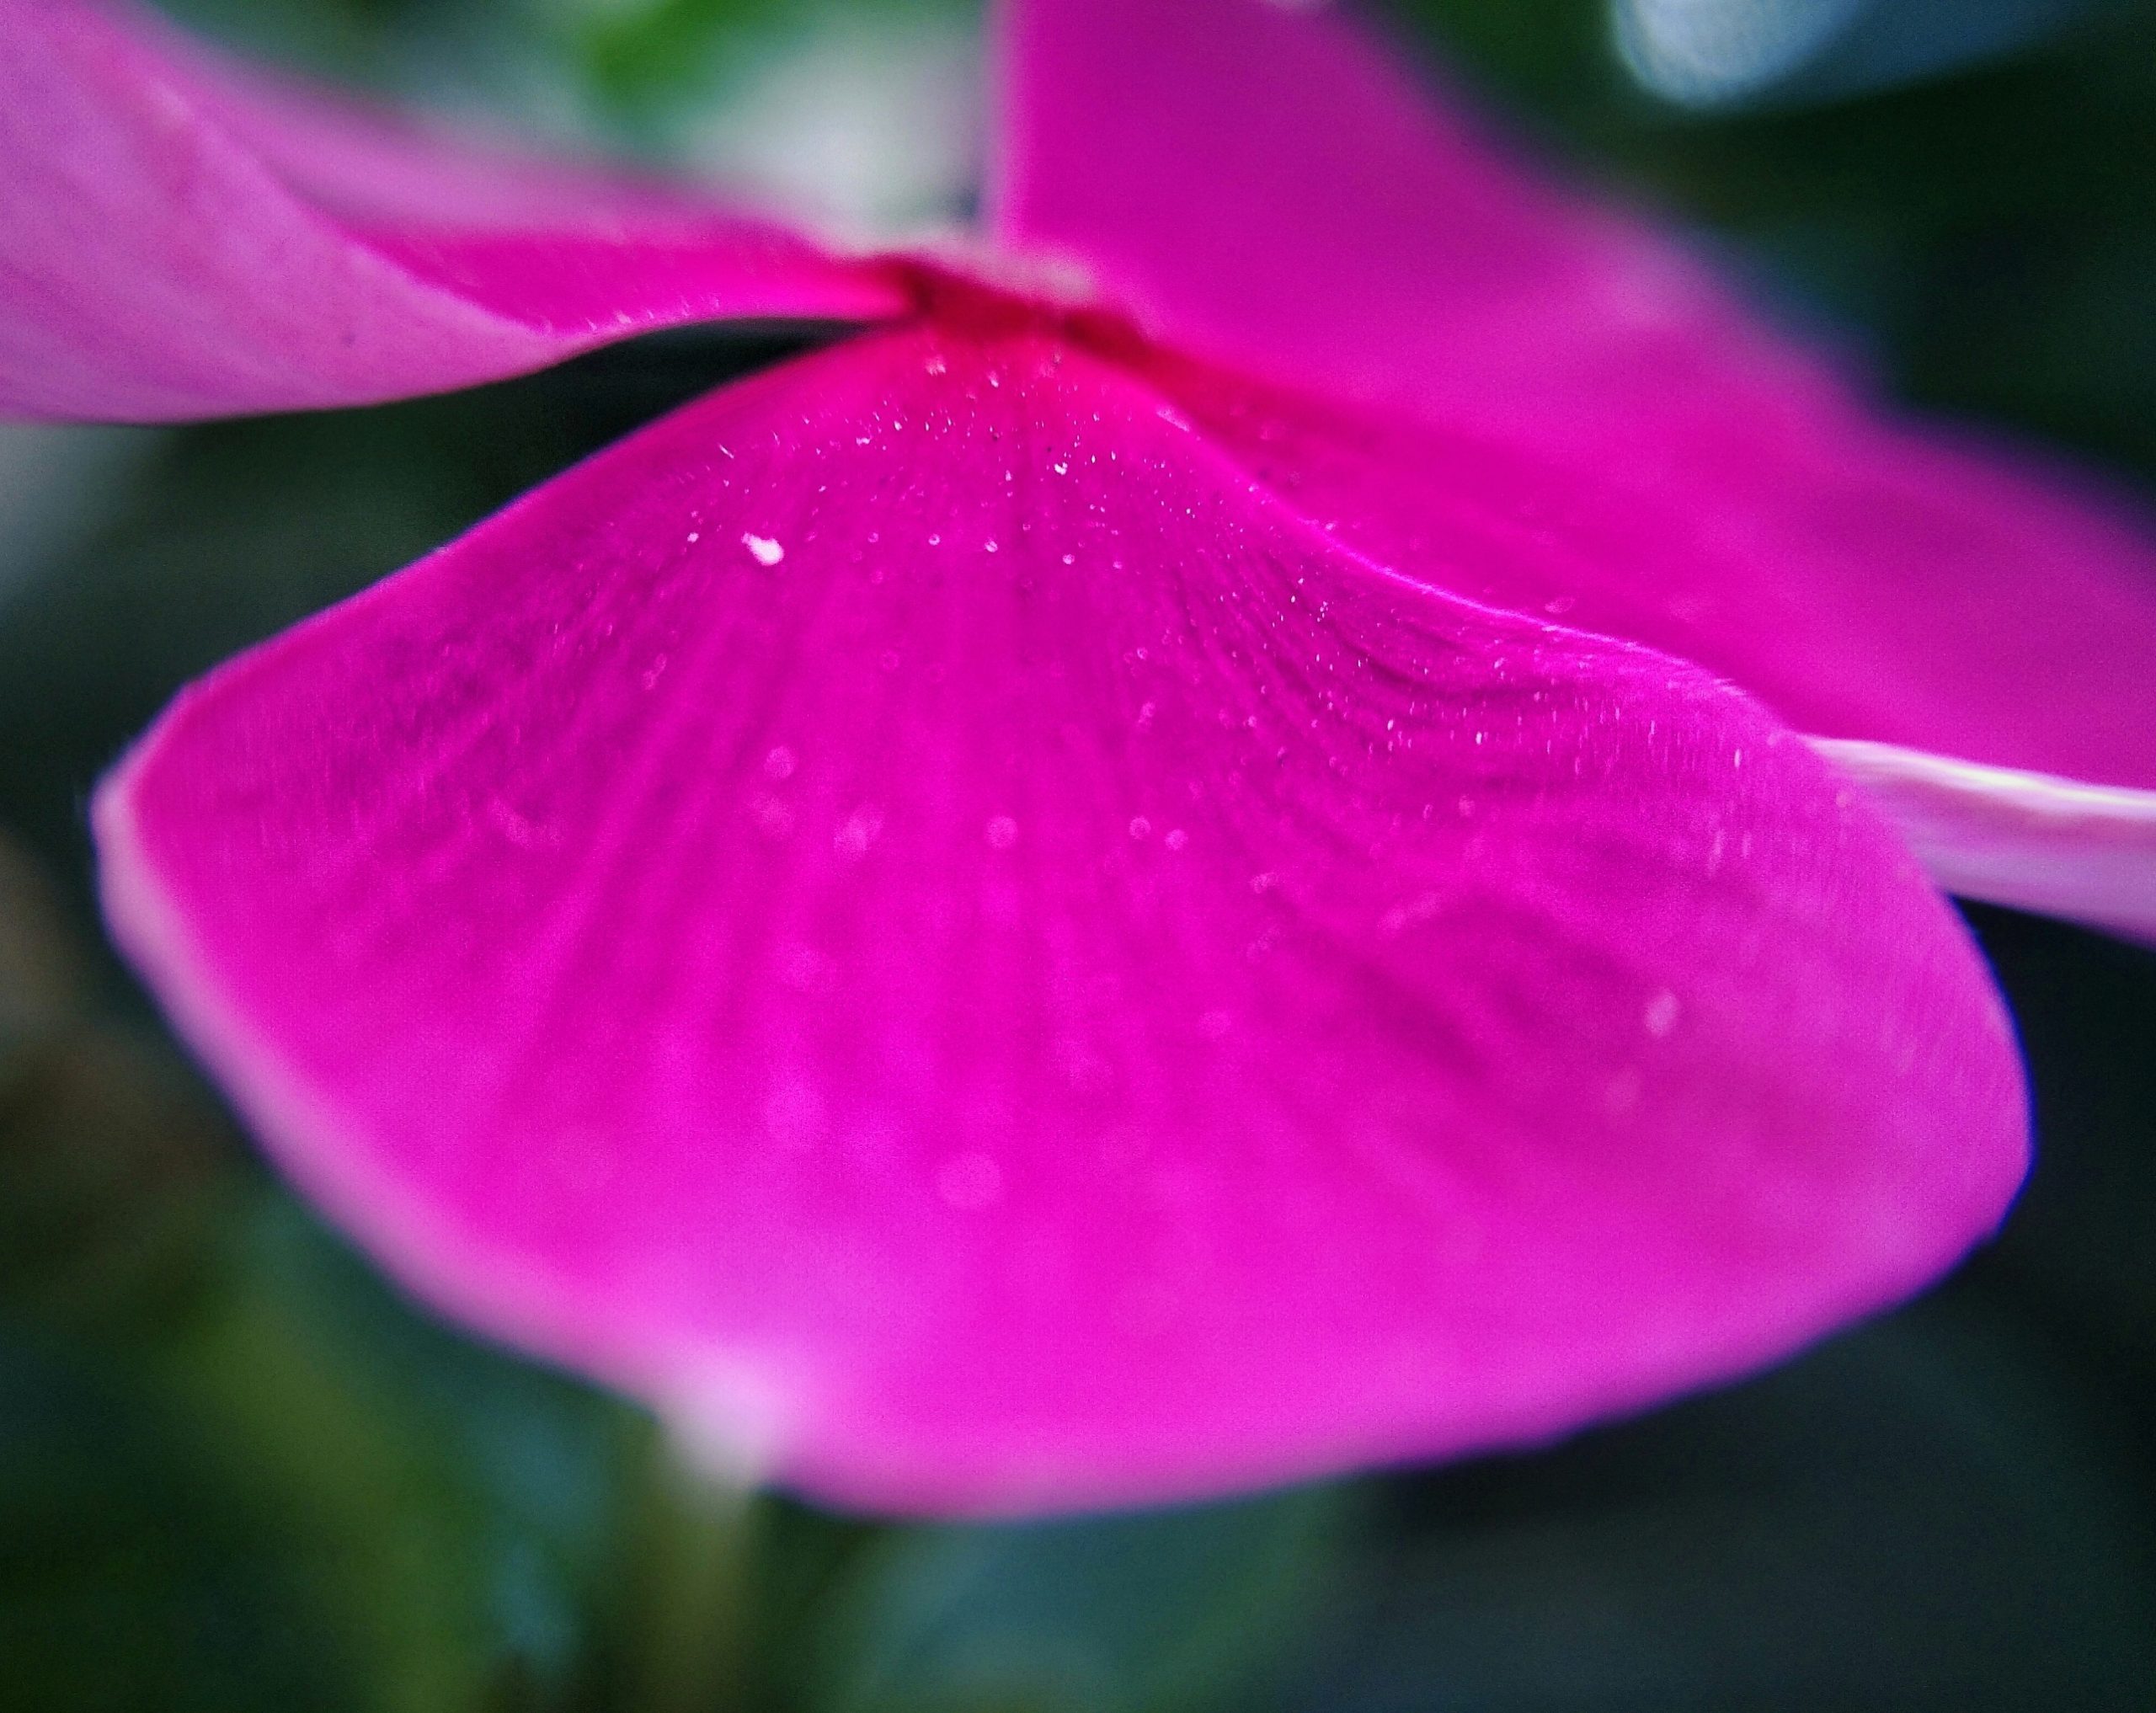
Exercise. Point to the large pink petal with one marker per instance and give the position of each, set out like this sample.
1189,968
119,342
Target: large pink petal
177,239
909,916
1978,647
1265,186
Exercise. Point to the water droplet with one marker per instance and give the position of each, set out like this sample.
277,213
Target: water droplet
1140,828
1661,1015
1177,839
521,830
767,552
859,832
780,763
1001,832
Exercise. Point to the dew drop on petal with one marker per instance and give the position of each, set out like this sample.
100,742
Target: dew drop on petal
860,831
1001,832
767,552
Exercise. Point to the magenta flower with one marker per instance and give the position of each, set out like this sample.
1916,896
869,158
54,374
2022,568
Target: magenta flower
1188,862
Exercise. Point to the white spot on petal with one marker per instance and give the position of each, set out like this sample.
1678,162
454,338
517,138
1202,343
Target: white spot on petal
859,832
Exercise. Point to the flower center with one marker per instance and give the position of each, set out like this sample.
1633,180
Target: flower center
1000,292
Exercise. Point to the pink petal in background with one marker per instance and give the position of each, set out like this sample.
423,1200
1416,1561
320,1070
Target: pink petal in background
181,239
1268,187
911,914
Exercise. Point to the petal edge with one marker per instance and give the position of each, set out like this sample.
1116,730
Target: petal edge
908,914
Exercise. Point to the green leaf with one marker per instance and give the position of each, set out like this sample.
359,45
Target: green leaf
1170,1610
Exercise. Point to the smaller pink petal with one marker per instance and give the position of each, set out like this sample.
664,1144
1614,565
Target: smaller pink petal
1971,630
912,915
182,238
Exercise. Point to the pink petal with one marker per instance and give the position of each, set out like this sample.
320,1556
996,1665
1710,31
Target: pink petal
909,916
178,239
1265,186
1261,183
1905,597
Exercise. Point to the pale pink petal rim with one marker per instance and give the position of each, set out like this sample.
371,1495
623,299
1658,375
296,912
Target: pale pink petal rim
2034,841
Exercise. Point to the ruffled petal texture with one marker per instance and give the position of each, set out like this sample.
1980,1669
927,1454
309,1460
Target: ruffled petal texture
1268,189
178,239
2041,671
912,915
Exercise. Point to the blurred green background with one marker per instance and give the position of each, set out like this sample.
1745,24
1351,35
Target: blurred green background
238,1473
